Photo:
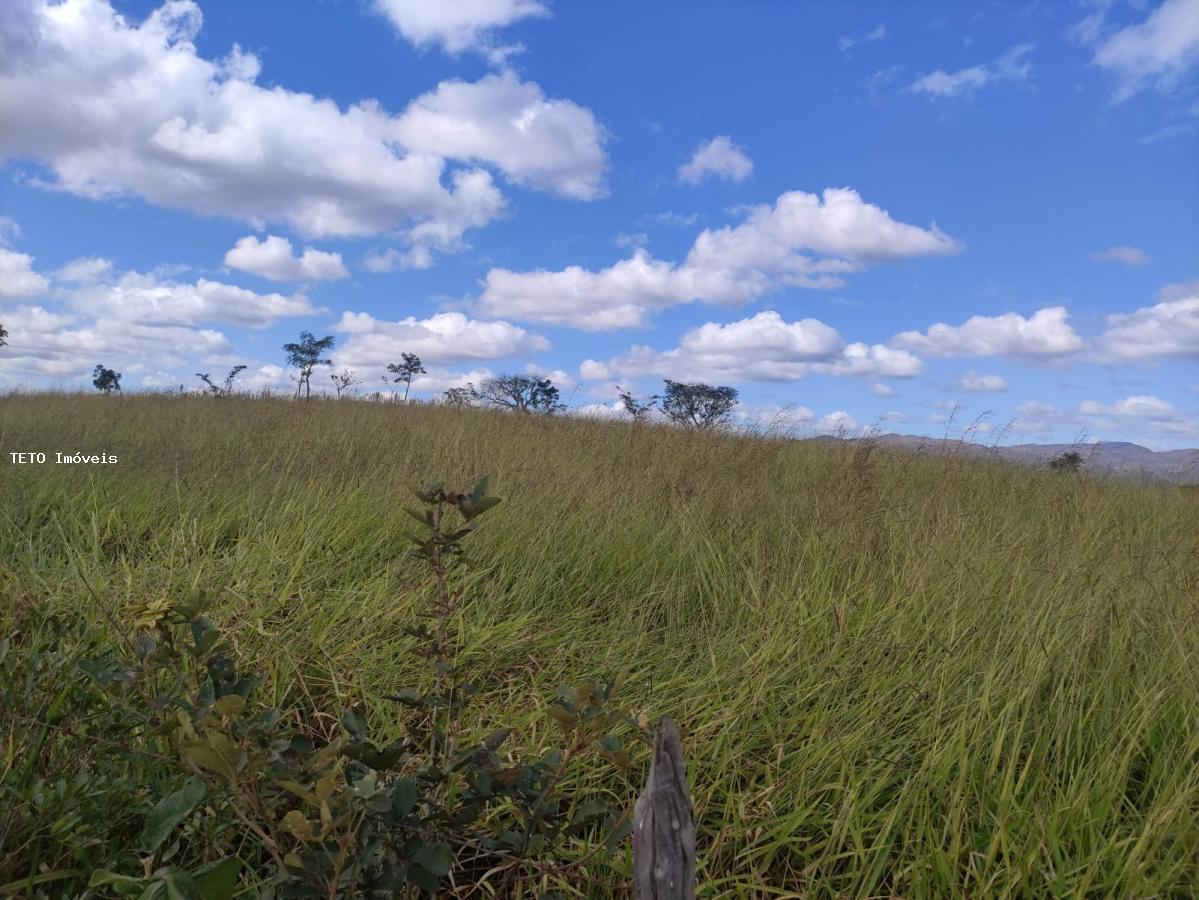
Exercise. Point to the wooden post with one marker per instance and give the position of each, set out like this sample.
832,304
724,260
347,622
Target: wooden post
663,829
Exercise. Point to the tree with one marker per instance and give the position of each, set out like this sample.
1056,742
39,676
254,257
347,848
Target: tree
1070,461
460,397
306,356
226,387
638,409
3,336
404,371
523,393
344,380
106,380
698,407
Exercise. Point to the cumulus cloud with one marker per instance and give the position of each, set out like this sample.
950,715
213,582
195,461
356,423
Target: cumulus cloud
146,299
442,338
881,389
1167,329
1158,52
975,383
459,25
551,145
272,257
963,84
762,348
1044,335
43,343
1122,253
717,158
802,240
17,277
114,108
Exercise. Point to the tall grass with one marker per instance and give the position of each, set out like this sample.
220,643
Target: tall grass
895,675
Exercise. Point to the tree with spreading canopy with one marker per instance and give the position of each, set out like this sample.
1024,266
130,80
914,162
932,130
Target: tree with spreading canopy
406,370
306,355
523,393
106,380
698,407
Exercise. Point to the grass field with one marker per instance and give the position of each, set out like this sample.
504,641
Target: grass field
895,675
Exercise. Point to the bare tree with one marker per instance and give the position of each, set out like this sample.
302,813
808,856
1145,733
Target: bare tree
406,370
306,356
106,380
523,393
344,380
698,407
637,408
226,387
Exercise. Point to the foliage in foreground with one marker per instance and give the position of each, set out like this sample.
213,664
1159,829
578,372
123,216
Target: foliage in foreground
237,784
898,674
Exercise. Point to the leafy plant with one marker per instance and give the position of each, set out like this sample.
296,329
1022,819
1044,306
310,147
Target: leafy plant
248,794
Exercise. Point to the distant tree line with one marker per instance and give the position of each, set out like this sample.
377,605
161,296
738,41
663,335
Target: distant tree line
694,406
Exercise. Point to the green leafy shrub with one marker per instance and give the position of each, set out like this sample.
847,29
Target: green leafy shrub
226,791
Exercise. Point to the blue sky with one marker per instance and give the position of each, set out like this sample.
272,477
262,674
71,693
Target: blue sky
859,214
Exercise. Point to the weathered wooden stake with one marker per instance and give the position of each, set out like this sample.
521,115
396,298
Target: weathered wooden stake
663,829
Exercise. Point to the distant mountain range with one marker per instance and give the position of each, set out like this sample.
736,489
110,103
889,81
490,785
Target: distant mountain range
1105,457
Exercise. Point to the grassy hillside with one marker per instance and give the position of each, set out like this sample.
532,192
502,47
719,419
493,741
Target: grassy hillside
895,675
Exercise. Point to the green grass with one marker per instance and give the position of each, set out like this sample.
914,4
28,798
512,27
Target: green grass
895,675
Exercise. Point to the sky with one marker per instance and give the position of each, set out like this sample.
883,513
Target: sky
930,218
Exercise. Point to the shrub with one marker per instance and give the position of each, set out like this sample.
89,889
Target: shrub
240,785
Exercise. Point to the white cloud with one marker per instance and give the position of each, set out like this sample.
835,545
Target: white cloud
551,145
445,337
457,25
9,229
838,423
1036,408
146,299
62,346
975,383
719,158
1122,253
563,381
879,389
762,348
846,42
272,258
1168,329
17,278
116,109
1140,406
85,270
1012,66
802,240
1158,52
1045,335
